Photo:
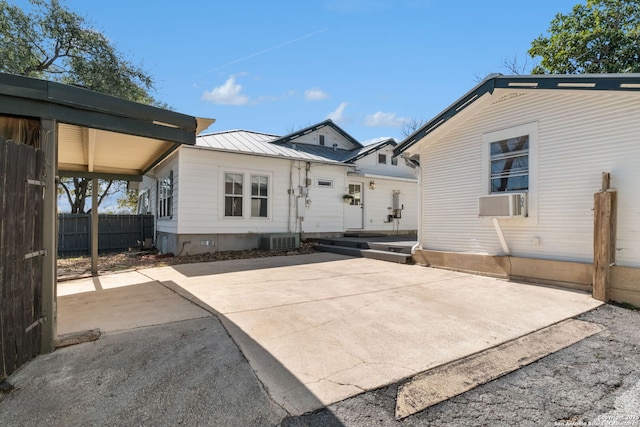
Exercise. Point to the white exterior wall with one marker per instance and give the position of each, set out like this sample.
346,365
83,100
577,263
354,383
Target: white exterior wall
377,204
330,137
202,194
580,135
369,164
149,183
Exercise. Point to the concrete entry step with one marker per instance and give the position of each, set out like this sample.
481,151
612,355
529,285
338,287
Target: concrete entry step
401,258
449,380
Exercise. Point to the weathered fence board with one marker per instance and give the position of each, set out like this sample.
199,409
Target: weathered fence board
21,206
115,233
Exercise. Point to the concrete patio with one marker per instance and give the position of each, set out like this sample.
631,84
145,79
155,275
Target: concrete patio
319,328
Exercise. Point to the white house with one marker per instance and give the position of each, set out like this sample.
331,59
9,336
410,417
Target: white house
509,172
234,188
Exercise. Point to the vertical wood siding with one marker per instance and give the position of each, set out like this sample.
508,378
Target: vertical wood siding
21,210
581,134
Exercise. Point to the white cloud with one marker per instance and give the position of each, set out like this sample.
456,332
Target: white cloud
381,119
227,94
315,94
338,115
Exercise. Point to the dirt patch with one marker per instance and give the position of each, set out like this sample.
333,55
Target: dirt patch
71,268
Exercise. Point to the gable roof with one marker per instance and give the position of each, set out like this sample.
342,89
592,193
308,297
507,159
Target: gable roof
607,82
256,143
326,123
369,149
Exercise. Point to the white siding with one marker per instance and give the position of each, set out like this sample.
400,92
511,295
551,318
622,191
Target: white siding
378,201
331,136
369,164
580,135
202,198
149,183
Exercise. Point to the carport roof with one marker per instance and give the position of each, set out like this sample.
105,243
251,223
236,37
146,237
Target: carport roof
99,135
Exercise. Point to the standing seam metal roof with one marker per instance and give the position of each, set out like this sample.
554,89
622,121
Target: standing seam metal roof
250,142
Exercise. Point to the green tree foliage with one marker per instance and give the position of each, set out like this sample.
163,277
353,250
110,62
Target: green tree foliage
54,43
601,36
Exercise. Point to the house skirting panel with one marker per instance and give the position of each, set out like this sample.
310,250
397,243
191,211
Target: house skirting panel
624,281
625,285
196,244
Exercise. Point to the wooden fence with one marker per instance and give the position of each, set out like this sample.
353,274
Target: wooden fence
115,233
21,210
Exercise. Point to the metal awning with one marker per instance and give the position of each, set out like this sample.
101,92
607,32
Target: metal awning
100,135
84,133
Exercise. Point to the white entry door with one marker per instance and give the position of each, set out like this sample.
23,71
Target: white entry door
354,210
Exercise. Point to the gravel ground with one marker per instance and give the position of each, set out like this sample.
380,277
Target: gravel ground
595,382
74,267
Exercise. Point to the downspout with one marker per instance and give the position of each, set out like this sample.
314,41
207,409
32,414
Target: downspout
418,245
290,197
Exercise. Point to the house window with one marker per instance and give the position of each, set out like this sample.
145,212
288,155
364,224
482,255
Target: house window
143,203
165,197
382,159
509,165
259,196
326,183
394,161
321,140
233,194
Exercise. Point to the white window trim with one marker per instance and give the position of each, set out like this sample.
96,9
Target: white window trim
325,180
246,195
530,129
269,196
167,212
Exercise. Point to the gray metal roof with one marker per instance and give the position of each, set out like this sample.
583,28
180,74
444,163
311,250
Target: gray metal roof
368,149
327,123
329,153
597,82
256,143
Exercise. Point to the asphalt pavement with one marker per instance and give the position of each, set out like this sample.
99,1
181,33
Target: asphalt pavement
212,352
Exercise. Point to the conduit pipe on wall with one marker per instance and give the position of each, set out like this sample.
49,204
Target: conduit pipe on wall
503,242
418,245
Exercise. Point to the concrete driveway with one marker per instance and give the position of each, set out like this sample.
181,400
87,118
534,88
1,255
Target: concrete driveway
319,328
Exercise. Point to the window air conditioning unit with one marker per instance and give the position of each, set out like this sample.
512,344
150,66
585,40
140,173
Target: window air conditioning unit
506,205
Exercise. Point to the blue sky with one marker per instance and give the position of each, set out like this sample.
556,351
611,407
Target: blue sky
277,66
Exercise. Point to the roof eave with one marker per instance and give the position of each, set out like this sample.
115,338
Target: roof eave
618,82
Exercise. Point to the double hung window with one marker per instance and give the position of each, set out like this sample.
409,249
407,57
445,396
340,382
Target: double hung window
165,197
259,196
254,197
510,165
233,185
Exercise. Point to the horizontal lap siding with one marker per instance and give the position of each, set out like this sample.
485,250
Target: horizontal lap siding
326,211
581,134
378,201
202,194
165,224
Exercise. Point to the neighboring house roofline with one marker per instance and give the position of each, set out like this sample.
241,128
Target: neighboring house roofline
614,82
239,130
315,127
272,156
369,149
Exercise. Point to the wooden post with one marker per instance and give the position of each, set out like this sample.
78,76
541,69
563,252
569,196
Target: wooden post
49,236
94,227
604,238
